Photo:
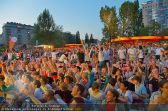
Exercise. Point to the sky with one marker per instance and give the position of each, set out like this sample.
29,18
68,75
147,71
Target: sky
73,15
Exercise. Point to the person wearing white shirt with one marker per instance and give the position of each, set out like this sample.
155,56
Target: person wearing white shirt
132,53
140,53
9,56
100,57
62,58
122,53
158,52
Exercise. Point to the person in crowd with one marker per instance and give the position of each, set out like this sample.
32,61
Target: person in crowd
128,73
44,84
131,53
122,53
140,53
164,75
64,93
77,73
96,95
154,81
104,78
112,102
77,104
140,94
50,98
38,93
68,81
100,57
158,52
106,56
85,80
160,102
27,85
111,84
125,93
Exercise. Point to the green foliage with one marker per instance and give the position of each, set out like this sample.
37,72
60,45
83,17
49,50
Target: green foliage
86,38
91,38
45,30
155,28
165,32
69,38
77,36
3,48
110,20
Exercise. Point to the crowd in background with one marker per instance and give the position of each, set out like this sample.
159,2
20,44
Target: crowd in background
112,76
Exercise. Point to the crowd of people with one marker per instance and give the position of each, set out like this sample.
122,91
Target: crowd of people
100,76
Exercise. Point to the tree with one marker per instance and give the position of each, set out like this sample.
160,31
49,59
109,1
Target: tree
126,18
109,18
165,32
144,31
155,28
77,36
69,38
137,23
86,38
46,31
91,38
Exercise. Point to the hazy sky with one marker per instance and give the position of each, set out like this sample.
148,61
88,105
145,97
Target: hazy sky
73,15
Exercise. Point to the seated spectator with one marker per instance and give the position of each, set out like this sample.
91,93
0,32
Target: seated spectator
68,81
77,104
85,80
77,74
158,93
140,95
44,85
78,91
128,73
64,93
164,75
154,81
160,103
38,93
27,85
96,95
125,93
111,84
50,98
112,101
103,78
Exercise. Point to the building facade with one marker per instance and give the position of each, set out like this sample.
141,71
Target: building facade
155,10
22,32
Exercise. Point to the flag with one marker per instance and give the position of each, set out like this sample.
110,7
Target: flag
12,41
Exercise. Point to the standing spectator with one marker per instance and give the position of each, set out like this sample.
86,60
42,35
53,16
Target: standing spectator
131,53
158,52
101,57
122,53
140,53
